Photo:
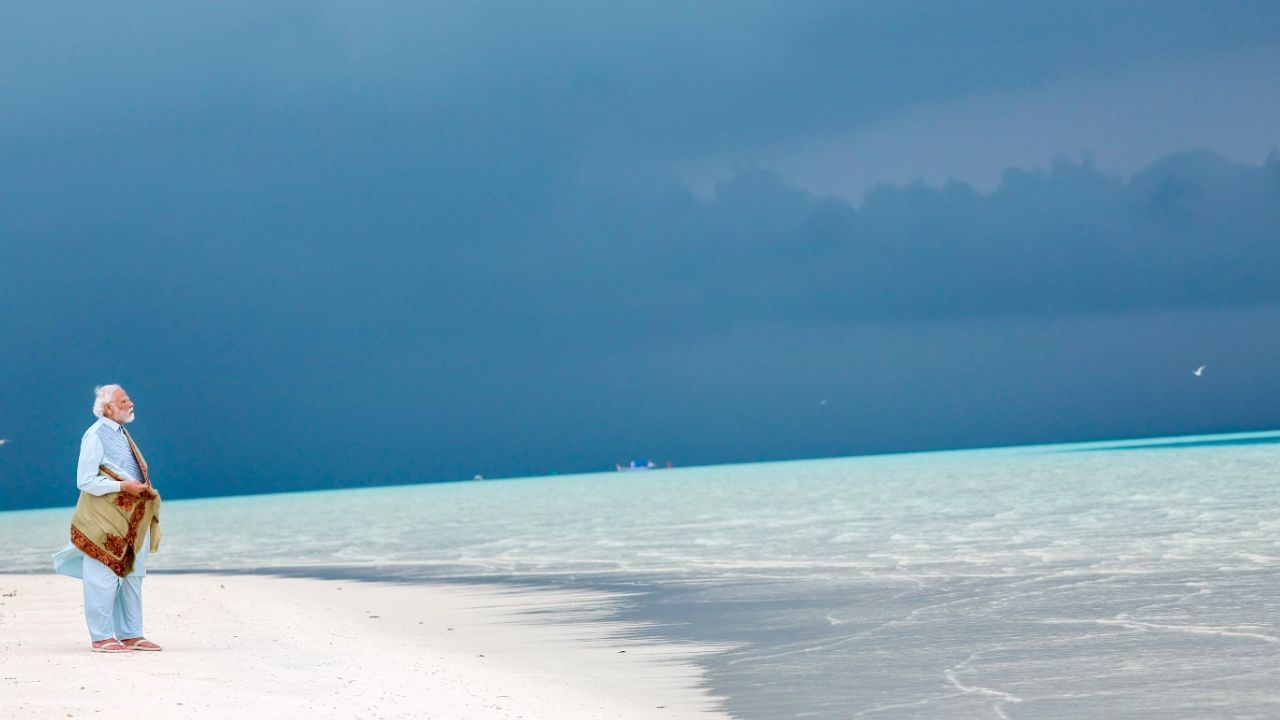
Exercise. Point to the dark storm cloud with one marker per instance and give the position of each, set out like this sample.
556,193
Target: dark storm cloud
1191,231
330,244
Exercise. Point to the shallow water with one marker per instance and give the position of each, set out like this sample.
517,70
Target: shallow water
1045,582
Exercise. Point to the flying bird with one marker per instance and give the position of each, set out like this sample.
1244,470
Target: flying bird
1199,371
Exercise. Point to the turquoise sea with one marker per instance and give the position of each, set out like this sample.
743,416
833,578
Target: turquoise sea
1134,579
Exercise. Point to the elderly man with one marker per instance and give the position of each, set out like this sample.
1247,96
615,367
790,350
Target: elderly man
115,527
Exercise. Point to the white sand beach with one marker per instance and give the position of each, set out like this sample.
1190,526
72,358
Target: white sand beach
257,646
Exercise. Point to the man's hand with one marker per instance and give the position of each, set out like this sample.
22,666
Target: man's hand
132,487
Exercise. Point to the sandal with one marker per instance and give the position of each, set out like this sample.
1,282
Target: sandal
111,646
141,643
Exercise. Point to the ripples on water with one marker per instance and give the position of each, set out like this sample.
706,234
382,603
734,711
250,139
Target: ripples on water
1026,582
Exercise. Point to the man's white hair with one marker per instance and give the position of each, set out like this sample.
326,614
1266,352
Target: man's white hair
102,395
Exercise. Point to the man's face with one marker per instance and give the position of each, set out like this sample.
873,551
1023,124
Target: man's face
120,408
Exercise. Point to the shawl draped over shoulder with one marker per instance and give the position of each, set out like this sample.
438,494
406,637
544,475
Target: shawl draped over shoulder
111,528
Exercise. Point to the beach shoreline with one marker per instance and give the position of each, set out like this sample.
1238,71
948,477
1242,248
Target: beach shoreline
311,648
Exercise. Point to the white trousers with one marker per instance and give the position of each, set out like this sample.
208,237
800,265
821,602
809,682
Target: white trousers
113,605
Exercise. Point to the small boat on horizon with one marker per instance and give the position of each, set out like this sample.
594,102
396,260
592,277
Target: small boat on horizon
637,465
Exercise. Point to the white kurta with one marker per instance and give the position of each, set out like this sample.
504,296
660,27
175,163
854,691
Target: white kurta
112,605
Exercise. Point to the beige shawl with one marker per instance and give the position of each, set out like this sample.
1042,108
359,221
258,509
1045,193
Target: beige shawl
111,528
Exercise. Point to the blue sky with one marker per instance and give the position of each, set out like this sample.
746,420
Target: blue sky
342,244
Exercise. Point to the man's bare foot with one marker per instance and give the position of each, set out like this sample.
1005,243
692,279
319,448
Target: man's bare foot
140,643
110,645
